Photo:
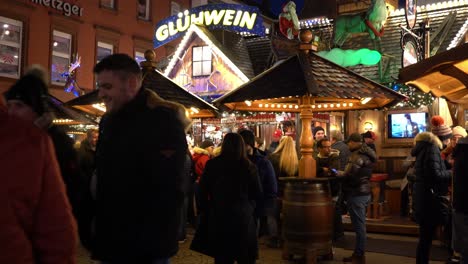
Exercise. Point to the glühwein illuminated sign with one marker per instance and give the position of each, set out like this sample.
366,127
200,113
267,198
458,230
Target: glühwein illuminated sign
239,18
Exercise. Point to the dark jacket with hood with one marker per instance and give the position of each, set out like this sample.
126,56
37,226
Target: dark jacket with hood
358,171
140,160
431,176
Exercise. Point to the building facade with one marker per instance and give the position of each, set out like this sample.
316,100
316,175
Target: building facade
54,33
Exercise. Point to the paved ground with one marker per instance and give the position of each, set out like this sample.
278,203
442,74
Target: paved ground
273,256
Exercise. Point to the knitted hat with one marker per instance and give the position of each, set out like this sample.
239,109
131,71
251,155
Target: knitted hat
206,143
459,131
277,134
31,90
249,137
317,129
354,137
439,129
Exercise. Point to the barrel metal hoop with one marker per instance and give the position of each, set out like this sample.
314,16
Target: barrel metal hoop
302,233
305,192
307,203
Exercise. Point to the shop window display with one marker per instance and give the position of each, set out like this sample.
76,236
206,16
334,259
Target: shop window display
61,56
10,47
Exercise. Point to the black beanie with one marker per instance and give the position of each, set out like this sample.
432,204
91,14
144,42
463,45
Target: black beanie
31,90
317,129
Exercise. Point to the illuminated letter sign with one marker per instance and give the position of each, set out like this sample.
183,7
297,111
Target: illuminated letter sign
239,18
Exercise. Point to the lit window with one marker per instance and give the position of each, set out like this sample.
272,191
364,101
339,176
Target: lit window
143,9
201,61
61,55
175,8
139,57
10,47
103,50
107,4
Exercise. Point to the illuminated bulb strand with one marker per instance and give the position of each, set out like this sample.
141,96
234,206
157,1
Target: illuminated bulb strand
61,121
100,107
314,22
433,6
459,35
290,106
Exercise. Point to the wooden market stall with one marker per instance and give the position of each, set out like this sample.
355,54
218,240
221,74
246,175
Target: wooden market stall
310,84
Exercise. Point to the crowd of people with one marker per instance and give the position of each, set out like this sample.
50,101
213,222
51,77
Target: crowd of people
129,190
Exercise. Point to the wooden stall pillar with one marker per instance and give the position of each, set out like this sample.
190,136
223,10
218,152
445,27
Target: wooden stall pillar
307,163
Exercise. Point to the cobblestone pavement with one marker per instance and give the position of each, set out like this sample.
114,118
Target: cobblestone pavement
268,256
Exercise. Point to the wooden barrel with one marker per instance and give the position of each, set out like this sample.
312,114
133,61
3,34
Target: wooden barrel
308,217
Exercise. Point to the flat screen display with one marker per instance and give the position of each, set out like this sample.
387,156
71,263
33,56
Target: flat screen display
406,125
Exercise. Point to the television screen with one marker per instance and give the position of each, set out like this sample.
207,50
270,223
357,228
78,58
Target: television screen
406,125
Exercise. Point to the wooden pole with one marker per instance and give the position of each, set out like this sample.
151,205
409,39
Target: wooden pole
307,164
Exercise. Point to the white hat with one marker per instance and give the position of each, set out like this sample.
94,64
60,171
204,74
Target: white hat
460,131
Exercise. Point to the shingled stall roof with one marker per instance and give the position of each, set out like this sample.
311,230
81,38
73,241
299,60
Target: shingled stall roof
260,52
165,88
335,88
444,75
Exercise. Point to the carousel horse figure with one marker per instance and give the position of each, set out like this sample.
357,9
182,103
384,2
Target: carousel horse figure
288,21
371,21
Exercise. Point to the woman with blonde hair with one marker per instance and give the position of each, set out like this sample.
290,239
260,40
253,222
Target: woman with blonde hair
284,159
285,163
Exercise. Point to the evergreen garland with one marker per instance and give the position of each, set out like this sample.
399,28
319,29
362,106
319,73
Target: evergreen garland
416,98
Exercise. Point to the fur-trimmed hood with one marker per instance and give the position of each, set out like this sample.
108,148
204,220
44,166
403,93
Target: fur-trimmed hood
428,137
154,100
423,140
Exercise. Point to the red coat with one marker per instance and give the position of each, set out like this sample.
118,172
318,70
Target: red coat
36,222
200,157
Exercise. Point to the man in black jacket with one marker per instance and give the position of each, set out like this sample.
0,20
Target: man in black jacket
139,167
356,188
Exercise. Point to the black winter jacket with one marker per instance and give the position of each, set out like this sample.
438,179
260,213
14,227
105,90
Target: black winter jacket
460,176
358,171
140,160
431,176
230,189
267,176
67,158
